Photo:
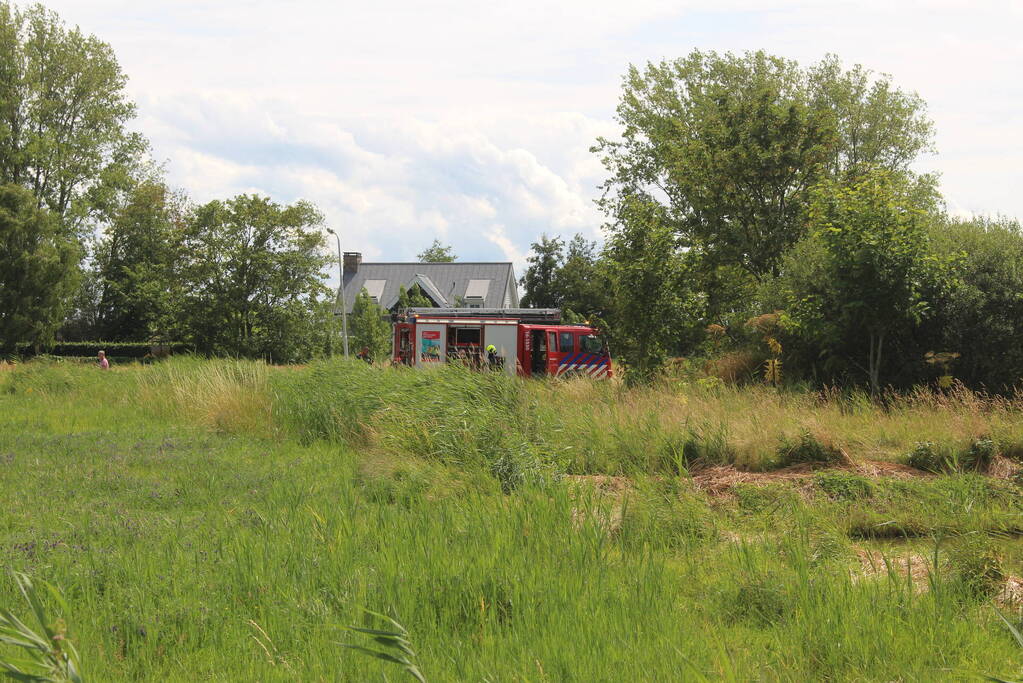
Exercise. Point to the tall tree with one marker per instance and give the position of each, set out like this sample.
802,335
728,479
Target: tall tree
38,270
646,272
579,283
139,260
731,144
858,280
437,253
63,114
878,124
369,328
251,261
538,282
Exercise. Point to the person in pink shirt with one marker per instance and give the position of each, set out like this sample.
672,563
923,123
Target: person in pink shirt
104,364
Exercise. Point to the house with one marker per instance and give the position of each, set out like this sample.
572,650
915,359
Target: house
447,285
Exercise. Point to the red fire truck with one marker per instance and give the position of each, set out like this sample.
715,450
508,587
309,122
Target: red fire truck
530,341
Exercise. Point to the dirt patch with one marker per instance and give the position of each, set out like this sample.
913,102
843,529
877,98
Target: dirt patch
719,480
875,564
884,468
1004,468
1011,594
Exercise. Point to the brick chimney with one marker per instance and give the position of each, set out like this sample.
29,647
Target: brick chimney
352,260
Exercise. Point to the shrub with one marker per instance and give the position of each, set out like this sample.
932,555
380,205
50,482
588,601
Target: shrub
807,448
123,349
982,451
946,458
1011,449
926,456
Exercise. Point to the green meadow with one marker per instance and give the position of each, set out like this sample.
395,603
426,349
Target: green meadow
228,521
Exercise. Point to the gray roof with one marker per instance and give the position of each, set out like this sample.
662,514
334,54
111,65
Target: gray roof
445,283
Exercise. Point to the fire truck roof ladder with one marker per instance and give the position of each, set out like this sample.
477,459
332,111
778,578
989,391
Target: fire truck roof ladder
526,315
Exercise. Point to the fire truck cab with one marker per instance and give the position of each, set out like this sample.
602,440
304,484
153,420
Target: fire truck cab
529,342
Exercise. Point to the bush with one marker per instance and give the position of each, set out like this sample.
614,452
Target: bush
806,449
946,458
927,456
115,349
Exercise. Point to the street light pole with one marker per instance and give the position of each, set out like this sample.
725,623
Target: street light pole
341,291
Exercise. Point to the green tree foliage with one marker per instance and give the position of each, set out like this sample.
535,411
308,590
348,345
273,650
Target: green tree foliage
878,125
63,114
729,147
82,320
38,270
138,262
566,276
981,317
730,143
538,282
369,327
437,253
412,298
857,282
253,278
646,273
580,282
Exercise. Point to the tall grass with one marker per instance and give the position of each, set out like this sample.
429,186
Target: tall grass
522,429
231,396
589,427
221,520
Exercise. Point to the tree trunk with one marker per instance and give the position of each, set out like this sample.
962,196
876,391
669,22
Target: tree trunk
874,364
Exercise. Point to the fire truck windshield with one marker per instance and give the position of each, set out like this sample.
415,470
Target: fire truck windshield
591,343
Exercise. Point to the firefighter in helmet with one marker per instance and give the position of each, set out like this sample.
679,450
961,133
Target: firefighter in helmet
492,357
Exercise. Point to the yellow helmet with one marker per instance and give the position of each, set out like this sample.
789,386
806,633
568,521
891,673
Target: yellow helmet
491,348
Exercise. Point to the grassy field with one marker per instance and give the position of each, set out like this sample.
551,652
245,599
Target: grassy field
226,521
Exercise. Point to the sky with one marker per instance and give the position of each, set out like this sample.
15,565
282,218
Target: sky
472,122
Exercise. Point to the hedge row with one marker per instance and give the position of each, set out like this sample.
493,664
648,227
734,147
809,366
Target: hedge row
91,360
113,349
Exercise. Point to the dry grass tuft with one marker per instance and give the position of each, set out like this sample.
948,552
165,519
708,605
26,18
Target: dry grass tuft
721,479
228,396
1004,468
1011,593
734,366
